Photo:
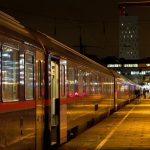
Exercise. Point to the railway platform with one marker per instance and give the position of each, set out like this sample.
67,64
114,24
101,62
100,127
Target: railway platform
126,129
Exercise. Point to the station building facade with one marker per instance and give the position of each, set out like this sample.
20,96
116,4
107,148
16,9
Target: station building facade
137,71
128,37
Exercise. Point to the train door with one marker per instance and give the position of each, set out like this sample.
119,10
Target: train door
55,102
39,100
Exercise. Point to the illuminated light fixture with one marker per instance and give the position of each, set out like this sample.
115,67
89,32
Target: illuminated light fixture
6,55
76,93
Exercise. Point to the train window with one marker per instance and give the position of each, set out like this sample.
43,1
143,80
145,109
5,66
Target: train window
91,83
76,82
88,82
100,84
84,83
39,79
107,86
71,81
29,74
97,84
21,61
10,72
62,80
80,81
49,74
21,86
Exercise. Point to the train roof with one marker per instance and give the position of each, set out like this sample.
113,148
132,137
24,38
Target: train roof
11,23
55,46
69,53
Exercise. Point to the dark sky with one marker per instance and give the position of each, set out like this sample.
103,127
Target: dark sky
98,20
81,9
144,26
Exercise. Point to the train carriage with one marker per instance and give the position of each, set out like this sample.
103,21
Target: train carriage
124,90
88,90
22,87
49,93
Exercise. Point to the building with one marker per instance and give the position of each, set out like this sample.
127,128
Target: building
136,70
128,37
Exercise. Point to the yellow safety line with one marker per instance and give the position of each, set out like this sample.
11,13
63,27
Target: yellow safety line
21,138
101,144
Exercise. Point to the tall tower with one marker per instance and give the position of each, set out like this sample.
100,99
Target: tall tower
128,37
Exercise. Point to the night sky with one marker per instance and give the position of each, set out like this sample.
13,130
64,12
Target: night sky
96,21
144,27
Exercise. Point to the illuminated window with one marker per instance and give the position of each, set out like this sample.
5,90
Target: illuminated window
119,72
87,82
91,83
29,74
10,72
76,82
143,72
130,65
80,81
39,72
97,85
71,81
62,80
114,65
139,73
148,65
21,86
21,69
134,72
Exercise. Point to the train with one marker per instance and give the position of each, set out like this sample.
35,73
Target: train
50,93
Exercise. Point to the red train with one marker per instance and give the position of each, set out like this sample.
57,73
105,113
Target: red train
49,93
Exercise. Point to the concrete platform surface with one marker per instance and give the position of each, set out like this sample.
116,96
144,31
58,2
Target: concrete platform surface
126,129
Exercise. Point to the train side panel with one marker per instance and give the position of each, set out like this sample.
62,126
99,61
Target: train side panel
21,94
63,101
17,107
124,91
89,97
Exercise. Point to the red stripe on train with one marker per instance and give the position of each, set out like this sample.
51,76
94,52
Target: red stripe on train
20,105
17,105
